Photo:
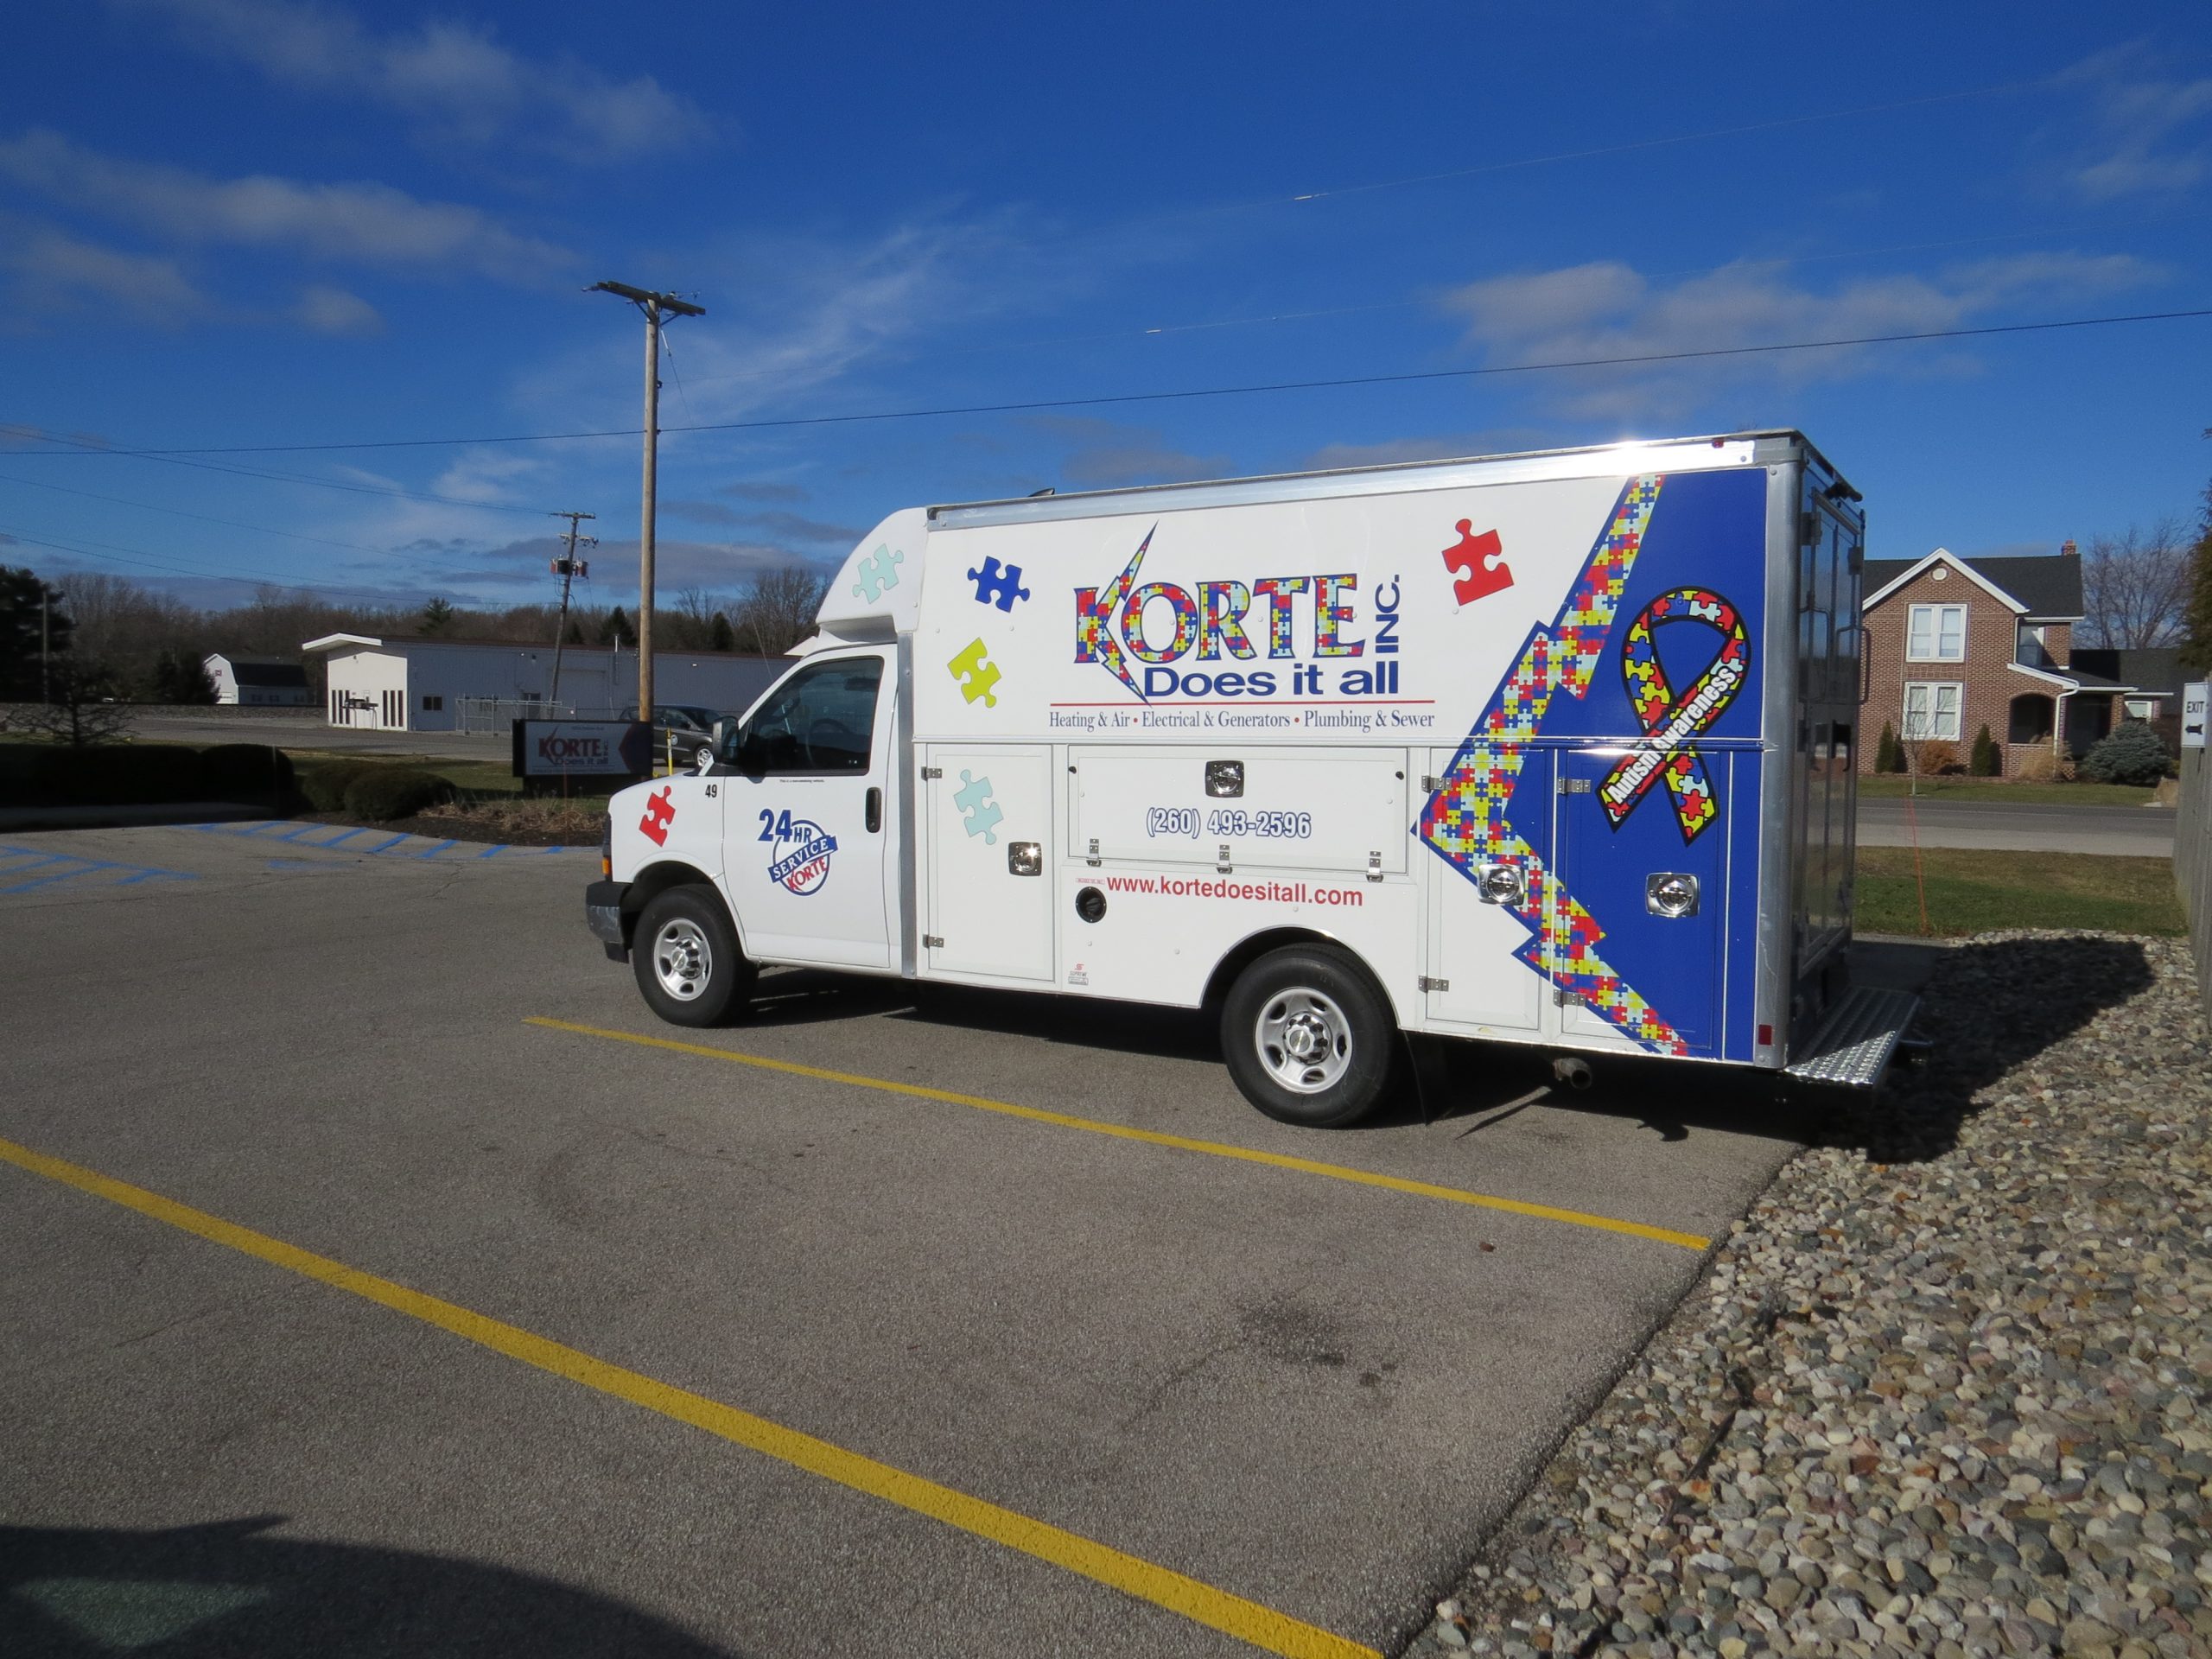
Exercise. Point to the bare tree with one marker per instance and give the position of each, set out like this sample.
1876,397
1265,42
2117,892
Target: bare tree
2135,587
691,625
84,709
778,609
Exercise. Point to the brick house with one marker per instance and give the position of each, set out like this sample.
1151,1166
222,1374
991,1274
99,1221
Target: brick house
1953,644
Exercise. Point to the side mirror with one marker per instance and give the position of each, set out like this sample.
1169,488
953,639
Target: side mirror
725,738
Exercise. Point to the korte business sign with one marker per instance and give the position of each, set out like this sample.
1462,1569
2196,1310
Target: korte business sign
583,748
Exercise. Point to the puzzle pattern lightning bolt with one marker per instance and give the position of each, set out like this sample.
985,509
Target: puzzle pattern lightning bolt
1465,821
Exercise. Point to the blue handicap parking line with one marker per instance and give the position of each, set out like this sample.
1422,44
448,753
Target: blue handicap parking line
79,866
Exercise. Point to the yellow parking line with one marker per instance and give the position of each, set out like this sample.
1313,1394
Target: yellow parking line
1181,1143
1246,1621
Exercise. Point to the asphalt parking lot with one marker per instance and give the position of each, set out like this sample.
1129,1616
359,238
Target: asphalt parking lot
384,1279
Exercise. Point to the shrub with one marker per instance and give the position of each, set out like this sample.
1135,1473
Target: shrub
325,784
245,772
117,776
1889,753
2130,753
1984,764
380,792
1937,755
2045,768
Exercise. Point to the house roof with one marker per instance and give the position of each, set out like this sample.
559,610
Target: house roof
2041,585
2155,669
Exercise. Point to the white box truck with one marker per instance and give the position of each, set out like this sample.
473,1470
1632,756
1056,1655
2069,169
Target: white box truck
1551,749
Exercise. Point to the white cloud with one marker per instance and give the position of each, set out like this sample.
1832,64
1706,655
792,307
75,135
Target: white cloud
364,223
454,81
2148,131
333,311
53,271
1106,455
1609,310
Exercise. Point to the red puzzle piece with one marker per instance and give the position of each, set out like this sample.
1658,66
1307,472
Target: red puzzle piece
660,812
1477,564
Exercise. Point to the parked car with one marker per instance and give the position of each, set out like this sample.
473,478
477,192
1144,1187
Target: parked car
681,727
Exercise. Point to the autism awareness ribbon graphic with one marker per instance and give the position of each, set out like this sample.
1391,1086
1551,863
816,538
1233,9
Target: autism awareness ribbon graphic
1670,723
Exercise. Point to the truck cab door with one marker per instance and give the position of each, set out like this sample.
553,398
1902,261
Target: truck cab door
807,814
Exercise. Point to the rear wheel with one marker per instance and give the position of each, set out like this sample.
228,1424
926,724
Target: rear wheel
687,959
1308,1038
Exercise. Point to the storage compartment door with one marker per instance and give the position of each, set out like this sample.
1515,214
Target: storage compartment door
1648,867
989,896
1484,949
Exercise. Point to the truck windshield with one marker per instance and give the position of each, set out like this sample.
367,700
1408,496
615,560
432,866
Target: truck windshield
819,720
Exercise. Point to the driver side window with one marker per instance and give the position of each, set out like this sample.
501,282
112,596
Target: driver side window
818,723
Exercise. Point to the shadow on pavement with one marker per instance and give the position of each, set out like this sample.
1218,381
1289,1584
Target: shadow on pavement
193,1592
1988,1007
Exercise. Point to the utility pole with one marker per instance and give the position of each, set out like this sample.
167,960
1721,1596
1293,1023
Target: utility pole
653,305
46,594
568,569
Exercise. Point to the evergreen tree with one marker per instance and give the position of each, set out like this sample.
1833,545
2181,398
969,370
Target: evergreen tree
616,630
20,592
1984,764
1889,753
437,617
2196,623
721,636
574,636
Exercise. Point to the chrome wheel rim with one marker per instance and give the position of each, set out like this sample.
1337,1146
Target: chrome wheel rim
1304,1040
683,959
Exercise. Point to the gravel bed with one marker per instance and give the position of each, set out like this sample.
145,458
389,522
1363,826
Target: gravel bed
1945,1390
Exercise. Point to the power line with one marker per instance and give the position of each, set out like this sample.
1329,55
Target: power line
1631,360
118,557
178,512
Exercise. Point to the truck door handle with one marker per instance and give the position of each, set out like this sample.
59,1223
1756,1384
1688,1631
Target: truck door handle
875,810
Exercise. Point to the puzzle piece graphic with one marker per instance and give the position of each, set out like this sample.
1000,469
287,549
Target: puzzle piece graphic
879,573
995,586
976,677
974,799
1476,563
660,812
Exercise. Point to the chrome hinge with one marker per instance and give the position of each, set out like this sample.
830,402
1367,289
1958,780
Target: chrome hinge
1374,866
933,941
1427,984
1222,865
928,772
1566,999
1575,785
1431,783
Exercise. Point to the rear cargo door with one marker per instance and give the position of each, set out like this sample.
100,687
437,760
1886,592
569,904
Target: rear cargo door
1656,899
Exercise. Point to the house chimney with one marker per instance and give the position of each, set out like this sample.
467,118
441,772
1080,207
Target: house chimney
2068,551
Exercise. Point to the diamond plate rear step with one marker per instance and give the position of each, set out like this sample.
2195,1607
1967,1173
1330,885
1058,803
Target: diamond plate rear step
1854,1046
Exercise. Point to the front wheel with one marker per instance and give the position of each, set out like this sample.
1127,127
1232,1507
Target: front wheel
686,960
1308,1039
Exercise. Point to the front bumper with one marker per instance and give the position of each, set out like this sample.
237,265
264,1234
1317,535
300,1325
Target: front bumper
603,916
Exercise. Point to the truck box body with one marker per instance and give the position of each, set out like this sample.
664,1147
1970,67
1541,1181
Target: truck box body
1558,746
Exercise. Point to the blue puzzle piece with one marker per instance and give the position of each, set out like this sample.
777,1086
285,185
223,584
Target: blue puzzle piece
879,573
973,800
995,586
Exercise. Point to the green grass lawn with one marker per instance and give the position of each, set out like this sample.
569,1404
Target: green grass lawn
1884,787
1970,890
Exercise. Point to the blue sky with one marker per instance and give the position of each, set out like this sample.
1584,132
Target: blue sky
262,222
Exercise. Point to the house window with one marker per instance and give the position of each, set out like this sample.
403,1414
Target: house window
1931,708
1937,633
433,705
2142,708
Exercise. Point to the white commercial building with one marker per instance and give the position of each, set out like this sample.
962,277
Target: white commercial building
259,682
410,684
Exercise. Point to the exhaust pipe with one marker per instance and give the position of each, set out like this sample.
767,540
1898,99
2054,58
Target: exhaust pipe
1573,1072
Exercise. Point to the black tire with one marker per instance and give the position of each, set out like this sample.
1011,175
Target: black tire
1308,1038
685,955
